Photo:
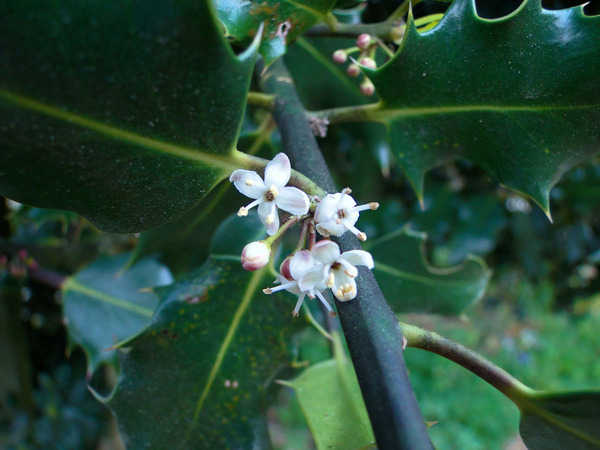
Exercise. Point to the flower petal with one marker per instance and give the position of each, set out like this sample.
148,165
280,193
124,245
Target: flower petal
359,258
293,200
301,263
248,183
313,279
327,208
278,171
267,212
344,287
326,251
331,227
346,202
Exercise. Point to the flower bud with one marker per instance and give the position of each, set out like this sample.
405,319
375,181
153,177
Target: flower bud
367,87
255,255
363,41
339,56
353,70
368,62
284,269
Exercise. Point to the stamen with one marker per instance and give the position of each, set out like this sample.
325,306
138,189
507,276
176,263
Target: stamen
324,301
281,287
346,190
298,305
372,206
351,271
243,211
356,232
331,280
249,182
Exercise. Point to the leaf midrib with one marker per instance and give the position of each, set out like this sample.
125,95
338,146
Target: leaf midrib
379,266
382,113
225,162
251,289
73,285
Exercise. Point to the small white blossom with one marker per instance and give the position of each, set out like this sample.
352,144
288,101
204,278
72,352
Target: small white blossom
337,213
272,193
339,269
302,275
255,255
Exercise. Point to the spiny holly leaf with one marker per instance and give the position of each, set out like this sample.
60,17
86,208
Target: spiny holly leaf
104,304
284,21
204,366
125,113
557,421
410,284
330,398
517,95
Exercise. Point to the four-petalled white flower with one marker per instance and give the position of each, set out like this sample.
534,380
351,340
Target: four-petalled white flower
339,269
337,213
272,193
302,275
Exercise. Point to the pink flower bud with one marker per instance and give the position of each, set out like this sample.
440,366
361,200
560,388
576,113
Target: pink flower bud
255,255
353,70
367,87
363,41
284,268
339,56
368,62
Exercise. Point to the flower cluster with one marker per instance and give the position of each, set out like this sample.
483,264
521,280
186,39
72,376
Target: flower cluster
315,266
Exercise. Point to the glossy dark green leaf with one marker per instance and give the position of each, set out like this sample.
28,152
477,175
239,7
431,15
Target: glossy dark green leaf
330,398
410,284
284,21
517,95
203,368
558,421
105,303
127,113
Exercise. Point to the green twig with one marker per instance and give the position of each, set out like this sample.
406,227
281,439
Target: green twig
496,376
261,100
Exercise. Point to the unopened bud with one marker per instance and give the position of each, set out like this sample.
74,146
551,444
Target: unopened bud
255,255
367,87
284,268
363,41
353,70
368,62
339,56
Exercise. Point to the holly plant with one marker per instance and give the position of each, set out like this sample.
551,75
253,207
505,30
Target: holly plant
188,135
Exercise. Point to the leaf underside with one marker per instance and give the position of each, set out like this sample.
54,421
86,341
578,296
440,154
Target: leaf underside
125,113
516,95
410,284
104,304
556,421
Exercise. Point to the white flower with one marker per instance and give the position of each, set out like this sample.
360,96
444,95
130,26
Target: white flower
271,193
337,213
302,275
339,269
255,255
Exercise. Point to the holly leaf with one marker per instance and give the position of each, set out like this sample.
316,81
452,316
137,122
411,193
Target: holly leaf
126,114
410,284
223,341
284,21
330,398
119,301
555,421
491,98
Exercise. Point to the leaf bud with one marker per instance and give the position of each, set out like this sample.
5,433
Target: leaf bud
339,56
363,41
255,255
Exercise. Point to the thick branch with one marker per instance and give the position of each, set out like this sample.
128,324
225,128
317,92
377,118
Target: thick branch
483,368
370,327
